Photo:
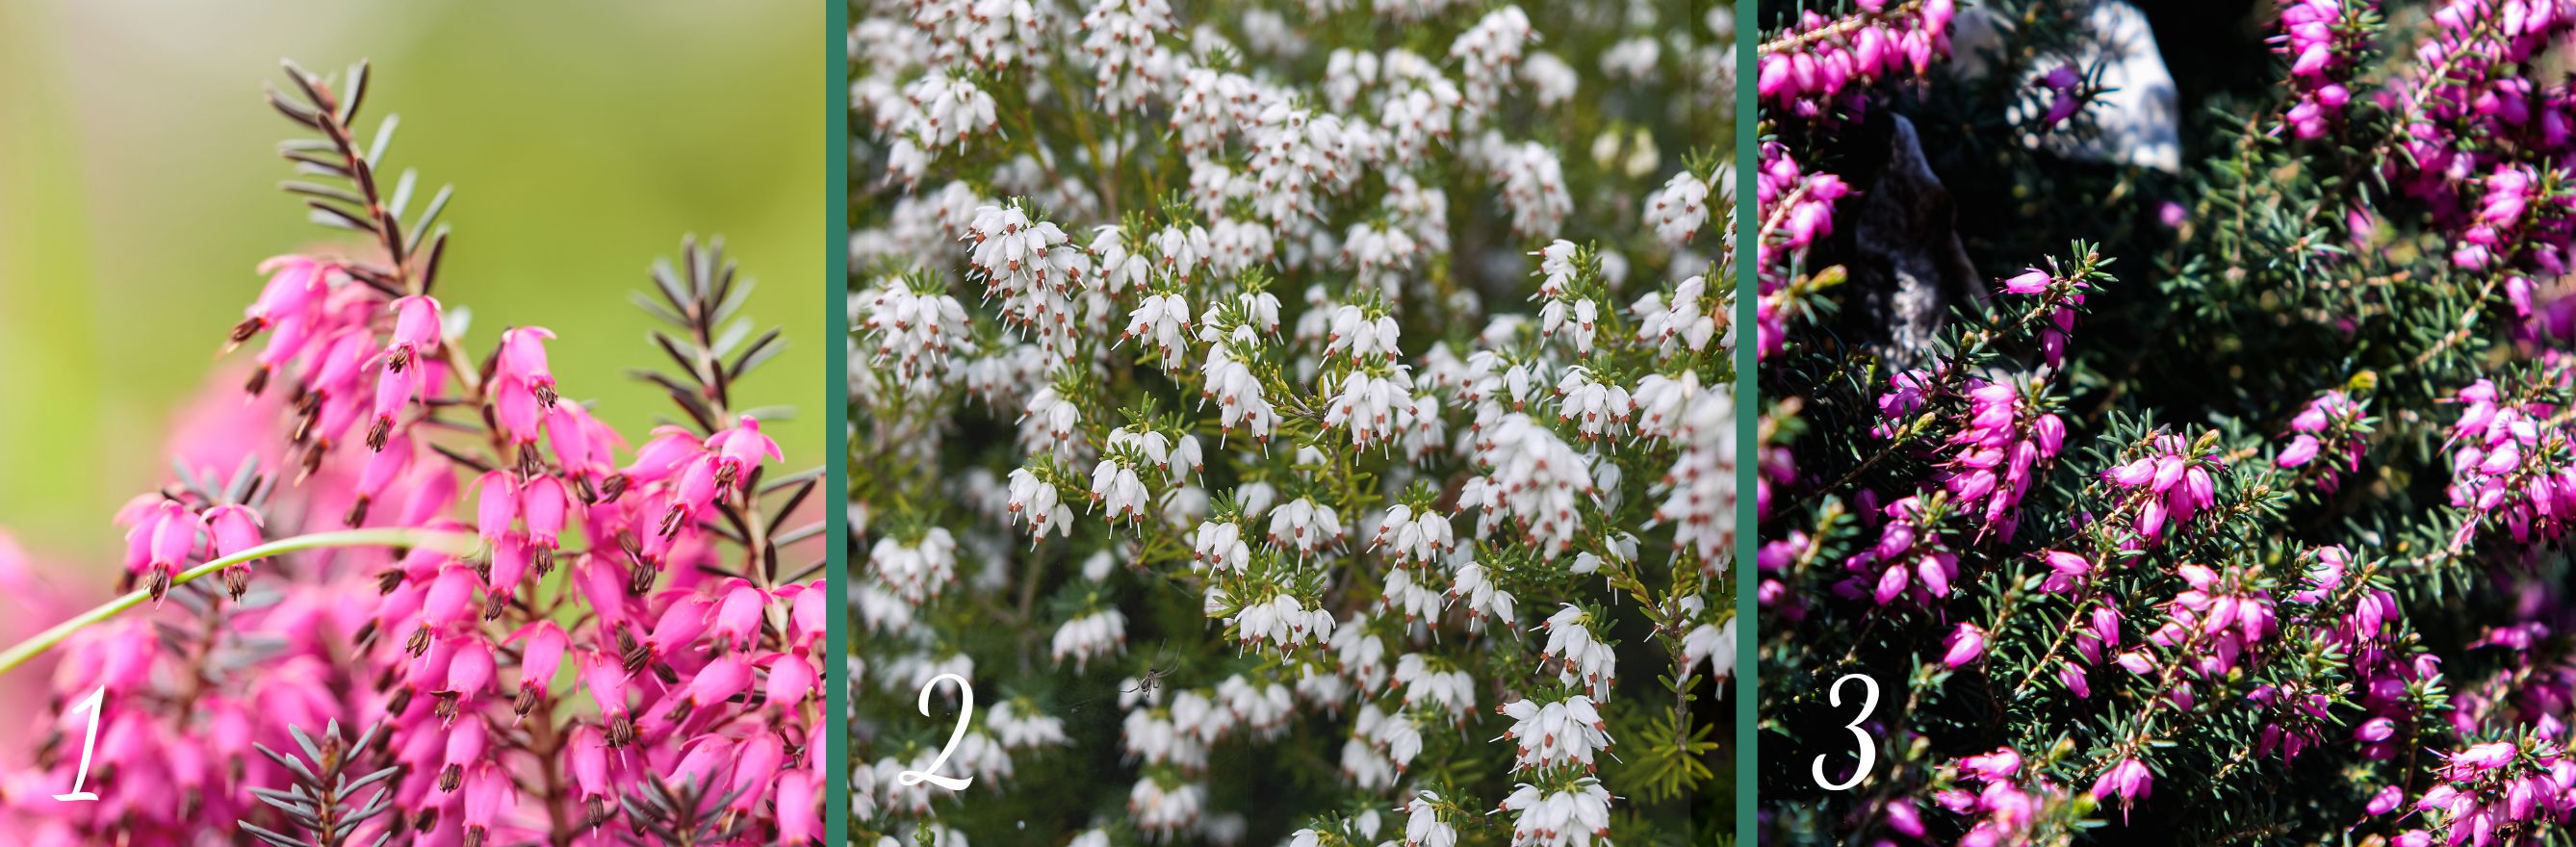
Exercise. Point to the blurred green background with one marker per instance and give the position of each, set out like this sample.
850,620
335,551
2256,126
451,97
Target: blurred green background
137,191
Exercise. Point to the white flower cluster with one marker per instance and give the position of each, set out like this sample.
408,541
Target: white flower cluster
1559,734
1243,308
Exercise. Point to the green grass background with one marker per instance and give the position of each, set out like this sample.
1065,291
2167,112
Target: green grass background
137,191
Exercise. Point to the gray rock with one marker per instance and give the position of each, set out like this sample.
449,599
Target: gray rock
1908,268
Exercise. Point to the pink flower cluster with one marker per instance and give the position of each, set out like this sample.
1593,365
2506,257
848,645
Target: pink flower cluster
2002,807
2324,40
2331,422
1909,557
2502,465
1797,212
2477,132
2171,484
2006,443
690,675
1820,65
2498,792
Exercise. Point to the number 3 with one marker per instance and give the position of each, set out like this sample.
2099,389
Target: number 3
91,703
963,716
1868,746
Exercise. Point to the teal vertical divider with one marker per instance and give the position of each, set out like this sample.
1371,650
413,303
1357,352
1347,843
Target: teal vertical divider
1748,427
836,438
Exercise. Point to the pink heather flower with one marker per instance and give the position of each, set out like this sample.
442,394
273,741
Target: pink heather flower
2000,764
2066,571
416,331
523,362
1963,646
2129,779
2029,281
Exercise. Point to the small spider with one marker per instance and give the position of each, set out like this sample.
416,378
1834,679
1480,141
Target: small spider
1163,666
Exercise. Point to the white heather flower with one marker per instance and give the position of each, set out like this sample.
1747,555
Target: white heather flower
1687,319
1422,824
1240,245
1487,52
1223,829
1184,506
1596,409
1282,621
1679,209
1093,837
1256,498
1451,690
1296,152
1165,809
1424,432
1551,80
1096,566
1346,72
1360,654
1579,655
1556,268
1476,587
1410,596
1305,526
1264,707
1532,478
1117,490
1413,536
1575,322
1119,36
1023,731
948,108
1371,405
1035,501
1029,267
1164,319
1563,733
1152,734
1357,335
1570,818
1090,636
1120,267
1194,713
1182,251
1219,546
1238,394
881,610
863,793
1699,495
917,570
1399,739
1661,402
914,330
1492,378
1534,188
1714,644
1631,60
1204,111
1419,106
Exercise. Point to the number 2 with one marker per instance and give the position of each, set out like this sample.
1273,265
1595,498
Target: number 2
1868,746
91,703
963,717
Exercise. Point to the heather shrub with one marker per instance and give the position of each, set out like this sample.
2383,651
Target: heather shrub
402,587
2202,498
1298,423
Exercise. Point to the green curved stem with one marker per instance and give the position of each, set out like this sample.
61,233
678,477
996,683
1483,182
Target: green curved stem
454,543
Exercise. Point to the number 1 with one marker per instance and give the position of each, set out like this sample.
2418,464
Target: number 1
92,703
963,716
1868,747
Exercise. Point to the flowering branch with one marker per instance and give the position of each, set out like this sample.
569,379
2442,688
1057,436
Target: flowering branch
451,543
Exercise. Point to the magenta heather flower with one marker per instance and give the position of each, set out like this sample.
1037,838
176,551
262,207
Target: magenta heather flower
1963,646
2128,780
2169,485
1814,68
383,607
